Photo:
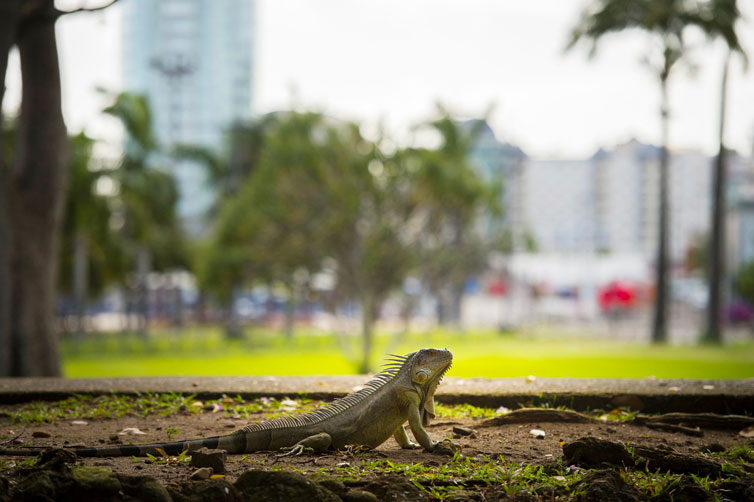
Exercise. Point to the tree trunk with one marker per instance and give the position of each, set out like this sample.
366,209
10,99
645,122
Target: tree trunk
233,329
368,313
659,326
8,25
143,266
717,240
35,194
456,299
290,311
80,280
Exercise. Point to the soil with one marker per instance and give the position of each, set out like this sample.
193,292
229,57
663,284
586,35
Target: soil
513,441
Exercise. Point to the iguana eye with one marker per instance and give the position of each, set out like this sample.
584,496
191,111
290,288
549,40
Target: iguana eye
421,376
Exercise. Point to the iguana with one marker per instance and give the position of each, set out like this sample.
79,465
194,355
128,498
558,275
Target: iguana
403,391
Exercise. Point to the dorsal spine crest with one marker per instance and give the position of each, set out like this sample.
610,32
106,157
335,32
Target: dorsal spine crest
389,372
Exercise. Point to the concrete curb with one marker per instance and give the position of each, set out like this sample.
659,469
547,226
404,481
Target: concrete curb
647,395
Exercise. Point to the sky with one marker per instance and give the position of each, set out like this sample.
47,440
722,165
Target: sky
386,64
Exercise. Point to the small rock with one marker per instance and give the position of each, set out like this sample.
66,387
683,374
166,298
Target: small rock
56,459
205,457
394,487
687,489
712,448
747,432
446,447
40,485
590,451
41,434
359,496
604,485
144,488
333,484
96,480
530,379
79,422
538,433
463,431
272,485
202,473
131,431
114,438
218,489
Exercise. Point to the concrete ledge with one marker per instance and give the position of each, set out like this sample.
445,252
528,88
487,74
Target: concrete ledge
648,395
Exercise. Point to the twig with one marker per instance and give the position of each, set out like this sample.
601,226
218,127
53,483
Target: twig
14,437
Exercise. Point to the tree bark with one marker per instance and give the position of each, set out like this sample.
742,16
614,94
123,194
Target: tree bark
233,329
143,267
368,314
35,190
80,280
717,240
8,27
659,326
290,311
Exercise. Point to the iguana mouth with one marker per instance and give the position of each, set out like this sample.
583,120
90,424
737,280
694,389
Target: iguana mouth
435,382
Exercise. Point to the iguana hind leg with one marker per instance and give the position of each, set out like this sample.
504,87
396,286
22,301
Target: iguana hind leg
317,442
402,438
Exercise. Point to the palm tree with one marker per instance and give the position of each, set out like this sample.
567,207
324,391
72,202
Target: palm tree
148,197
666,21
455,195
723,15
90,254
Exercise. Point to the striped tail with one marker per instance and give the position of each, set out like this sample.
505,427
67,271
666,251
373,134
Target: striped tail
233,443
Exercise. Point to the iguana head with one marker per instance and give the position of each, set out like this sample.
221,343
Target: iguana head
427,368
429,365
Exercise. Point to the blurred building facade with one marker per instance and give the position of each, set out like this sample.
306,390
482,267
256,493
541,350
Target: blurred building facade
594,223
609,203
193,59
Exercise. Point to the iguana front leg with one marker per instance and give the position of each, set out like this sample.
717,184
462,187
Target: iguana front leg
317,442
420,433
444,447
402,438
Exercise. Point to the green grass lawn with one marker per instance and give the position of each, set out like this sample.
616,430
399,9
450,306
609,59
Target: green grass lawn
206,352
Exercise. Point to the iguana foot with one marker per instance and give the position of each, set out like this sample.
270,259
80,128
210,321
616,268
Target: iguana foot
315,442
446,447
295,450
411,446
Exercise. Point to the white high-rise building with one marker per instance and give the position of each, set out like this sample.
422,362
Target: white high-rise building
193,59
609,203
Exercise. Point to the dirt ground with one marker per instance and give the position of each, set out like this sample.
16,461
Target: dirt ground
514,442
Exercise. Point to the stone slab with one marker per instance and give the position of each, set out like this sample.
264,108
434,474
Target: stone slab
648,395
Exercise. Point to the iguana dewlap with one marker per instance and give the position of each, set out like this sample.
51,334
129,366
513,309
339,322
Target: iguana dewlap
403,391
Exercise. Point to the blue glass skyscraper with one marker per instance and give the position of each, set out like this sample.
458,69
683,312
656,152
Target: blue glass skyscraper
193,59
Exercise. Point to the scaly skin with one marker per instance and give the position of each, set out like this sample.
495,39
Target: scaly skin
404,391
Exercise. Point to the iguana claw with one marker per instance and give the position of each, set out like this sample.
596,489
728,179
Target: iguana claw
295,450
446,447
